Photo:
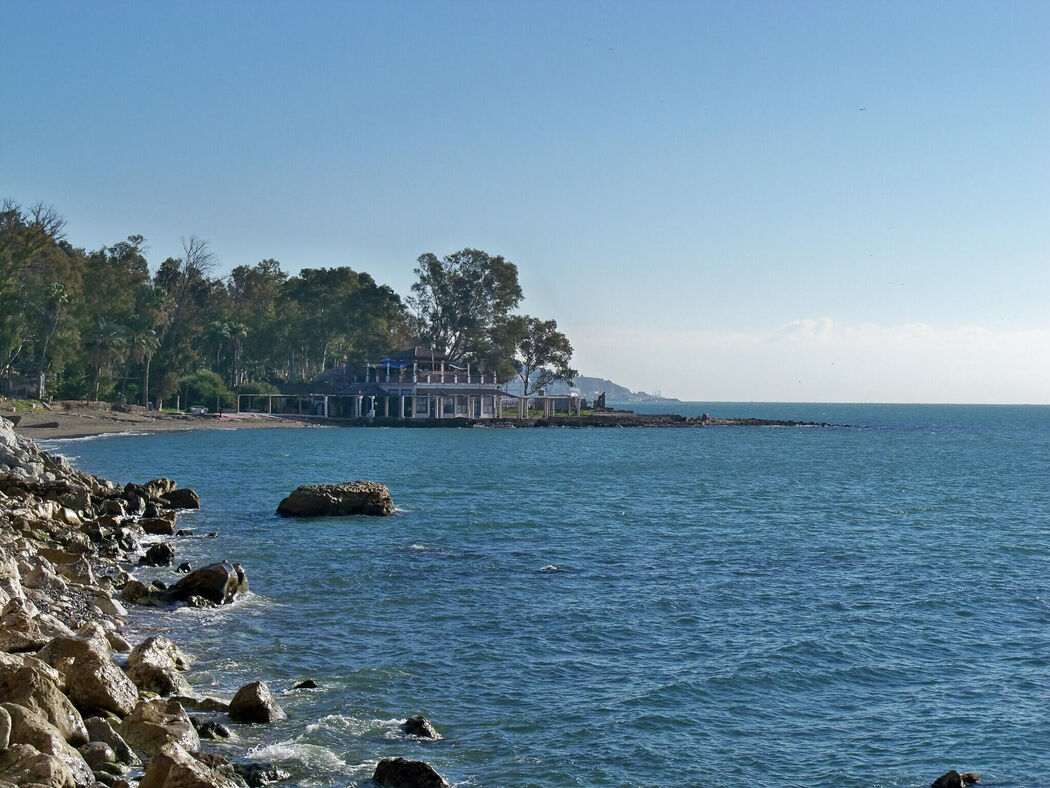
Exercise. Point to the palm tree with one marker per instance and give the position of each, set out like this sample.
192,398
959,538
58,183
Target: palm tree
104,343
142,344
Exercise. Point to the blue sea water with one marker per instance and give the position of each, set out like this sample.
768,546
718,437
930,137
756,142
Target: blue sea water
858,606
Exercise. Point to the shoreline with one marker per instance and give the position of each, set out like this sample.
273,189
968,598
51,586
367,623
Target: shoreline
81,707
87,422
81,420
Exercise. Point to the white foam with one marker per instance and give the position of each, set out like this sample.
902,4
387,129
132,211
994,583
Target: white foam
312,756
342,724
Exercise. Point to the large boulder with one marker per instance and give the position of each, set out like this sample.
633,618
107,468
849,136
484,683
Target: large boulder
254,703
33,688
162,679
174,767
158,526
98,683
24,764
30,727
403,773
218,583
182,498
160,650
155,723
324,500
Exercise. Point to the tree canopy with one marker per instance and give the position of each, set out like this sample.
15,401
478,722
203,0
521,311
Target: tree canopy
105,324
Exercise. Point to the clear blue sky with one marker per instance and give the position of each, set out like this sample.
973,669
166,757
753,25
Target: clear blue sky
747,200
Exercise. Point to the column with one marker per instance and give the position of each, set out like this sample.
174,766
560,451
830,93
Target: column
360,405
401,407
269,404
326,406
386,407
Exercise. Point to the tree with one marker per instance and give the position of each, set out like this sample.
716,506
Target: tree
204,386
142,343
541,352
104,344
459,301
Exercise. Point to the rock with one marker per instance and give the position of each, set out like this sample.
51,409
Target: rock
23,764
158,526
160,554
97,683
5,728
308,684
110,607
62,648
203,704
219,583
155,489
254,703
258,774
954,779
113,508
33,689
184,532
156,723
117,642
99,730
403,773
323,500
160,650
161,679
210,729
420,726
97,753
181,499
138,593
184,568
30,727
174,767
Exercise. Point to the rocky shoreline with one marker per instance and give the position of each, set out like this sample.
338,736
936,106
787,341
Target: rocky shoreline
79,706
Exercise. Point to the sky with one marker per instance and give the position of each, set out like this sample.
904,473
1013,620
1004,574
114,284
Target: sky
722,201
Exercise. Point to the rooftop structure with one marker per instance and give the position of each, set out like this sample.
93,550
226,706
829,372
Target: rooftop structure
414,383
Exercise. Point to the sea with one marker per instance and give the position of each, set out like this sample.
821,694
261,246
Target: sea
861,605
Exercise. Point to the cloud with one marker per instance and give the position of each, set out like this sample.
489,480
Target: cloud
821,359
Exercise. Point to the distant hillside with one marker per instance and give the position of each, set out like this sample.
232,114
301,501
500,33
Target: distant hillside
590,388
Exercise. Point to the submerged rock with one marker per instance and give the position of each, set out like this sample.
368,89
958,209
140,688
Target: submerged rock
954,779
324,500
308,684
258,774
420,726
403,773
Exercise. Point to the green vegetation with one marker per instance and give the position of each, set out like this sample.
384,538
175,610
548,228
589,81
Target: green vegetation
105,324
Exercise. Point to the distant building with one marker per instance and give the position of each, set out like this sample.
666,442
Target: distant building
415,383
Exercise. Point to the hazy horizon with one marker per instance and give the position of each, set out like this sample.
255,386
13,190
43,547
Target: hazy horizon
779,202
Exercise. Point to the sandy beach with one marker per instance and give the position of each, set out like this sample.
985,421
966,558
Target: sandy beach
83,419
